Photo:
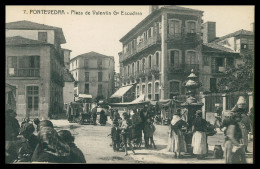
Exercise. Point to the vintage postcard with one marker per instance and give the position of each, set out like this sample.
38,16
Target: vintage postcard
129,84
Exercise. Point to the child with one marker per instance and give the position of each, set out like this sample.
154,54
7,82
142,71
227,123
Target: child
149,129
115,135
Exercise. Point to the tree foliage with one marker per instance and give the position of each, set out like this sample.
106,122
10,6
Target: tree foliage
239,78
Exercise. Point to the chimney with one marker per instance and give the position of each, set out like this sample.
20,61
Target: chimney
153,8
208,32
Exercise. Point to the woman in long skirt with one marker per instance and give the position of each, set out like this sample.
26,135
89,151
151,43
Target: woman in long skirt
199,139
176,141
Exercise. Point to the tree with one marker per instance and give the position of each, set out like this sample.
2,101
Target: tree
239,78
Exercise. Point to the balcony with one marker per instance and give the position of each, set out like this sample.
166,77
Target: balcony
141,46
184,37
218,70
183,68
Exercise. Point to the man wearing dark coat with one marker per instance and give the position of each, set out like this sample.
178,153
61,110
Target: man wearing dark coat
12,126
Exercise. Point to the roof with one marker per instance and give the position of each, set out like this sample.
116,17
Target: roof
217,47
66,49
150,16
28,25
68,76
120,92
237,33
18,40
92,54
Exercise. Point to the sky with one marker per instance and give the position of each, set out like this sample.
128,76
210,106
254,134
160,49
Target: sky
85,31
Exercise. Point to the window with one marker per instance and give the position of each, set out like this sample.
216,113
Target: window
99,89
190,58
143,89
99,63
24,66
206,60
86,76
76,75
213,84
42,36
133,68
230,61
143,64
174,27
76,63
156,91
149,91
137,91
175,59
157,59
137,66
100,76
144,36
191,26
150,32
128,70
86,63
149,61
86,88
219,62
32,98
174,88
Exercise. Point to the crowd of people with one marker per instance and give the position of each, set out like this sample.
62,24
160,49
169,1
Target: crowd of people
38,141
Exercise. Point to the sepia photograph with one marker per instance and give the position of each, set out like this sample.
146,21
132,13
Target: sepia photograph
150,84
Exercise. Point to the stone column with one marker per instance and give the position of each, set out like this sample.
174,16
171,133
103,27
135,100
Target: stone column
164,56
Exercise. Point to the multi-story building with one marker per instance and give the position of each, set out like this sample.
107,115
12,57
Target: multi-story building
220,53
160,51
94,74
34,64
66,54
117,81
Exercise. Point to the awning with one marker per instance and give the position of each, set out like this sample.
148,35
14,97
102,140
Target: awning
139,99
120,92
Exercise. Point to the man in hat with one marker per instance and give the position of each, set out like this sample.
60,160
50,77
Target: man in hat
115,135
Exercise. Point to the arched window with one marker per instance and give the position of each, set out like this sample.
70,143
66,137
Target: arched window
143,64
149,91
137,66
190,58
157,59
174,88
191,27
133,68
175,58
156,91
143,89
128,70
149,61
137,91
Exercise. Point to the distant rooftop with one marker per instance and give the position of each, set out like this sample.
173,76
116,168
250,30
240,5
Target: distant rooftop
28,25
217,47
18,40
93,54
237,33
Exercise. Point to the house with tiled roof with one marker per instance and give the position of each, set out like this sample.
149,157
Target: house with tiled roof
35,66
218,53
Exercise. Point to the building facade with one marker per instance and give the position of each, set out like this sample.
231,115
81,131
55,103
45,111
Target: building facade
35,64
159,53
222,52
94,74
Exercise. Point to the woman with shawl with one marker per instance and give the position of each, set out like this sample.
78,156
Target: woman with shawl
199,139
177,142
50,147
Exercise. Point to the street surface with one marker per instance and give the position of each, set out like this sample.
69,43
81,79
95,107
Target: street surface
95,145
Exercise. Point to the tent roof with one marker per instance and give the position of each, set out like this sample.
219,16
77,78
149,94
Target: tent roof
121,91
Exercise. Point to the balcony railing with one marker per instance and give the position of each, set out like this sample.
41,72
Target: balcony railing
183,68
184,37
141,46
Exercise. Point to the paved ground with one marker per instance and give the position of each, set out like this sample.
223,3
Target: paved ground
95,144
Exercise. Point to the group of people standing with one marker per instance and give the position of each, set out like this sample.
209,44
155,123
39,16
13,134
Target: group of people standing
177,142
38,141
129,129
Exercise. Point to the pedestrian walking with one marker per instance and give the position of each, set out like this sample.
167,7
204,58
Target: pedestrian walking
102,118
199,139
149,130
94,115
50,147
115,135
176,142
125,132
234,151
76,155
